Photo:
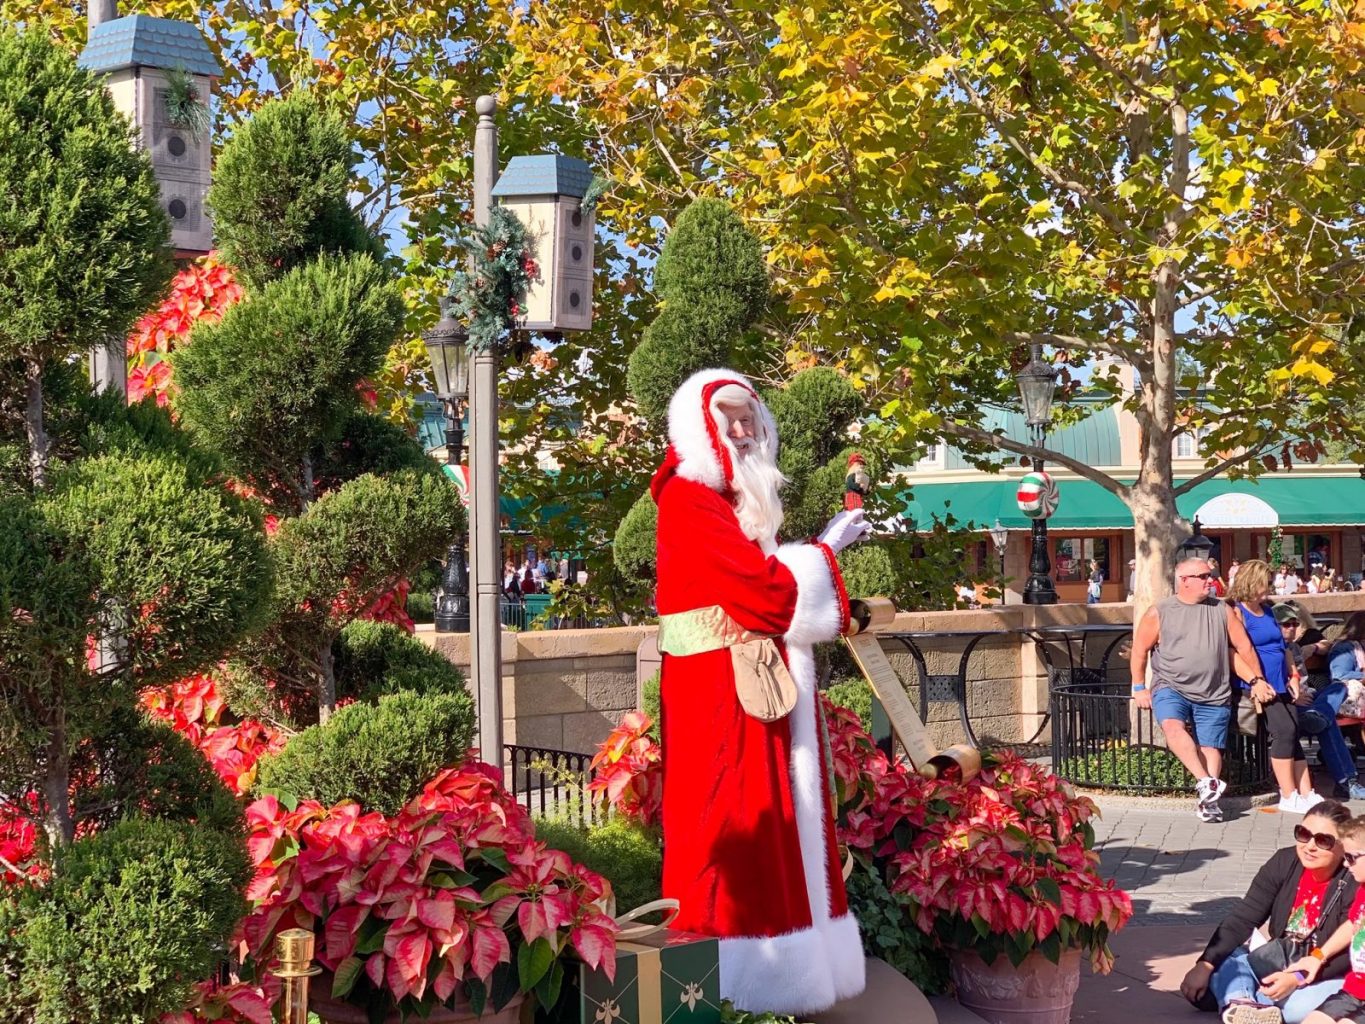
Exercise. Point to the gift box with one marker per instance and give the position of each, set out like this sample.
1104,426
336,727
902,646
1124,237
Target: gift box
670,977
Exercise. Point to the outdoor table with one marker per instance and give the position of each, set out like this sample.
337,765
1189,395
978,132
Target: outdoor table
1073,672
936,687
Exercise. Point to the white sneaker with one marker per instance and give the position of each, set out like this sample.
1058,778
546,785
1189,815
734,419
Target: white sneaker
1245,1012
1309,800
1290,804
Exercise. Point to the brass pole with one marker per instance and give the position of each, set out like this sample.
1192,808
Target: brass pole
294,950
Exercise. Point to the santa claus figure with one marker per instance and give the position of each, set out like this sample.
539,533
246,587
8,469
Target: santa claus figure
749,844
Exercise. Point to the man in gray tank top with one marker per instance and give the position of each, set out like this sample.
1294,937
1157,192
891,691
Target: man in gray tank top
1187,638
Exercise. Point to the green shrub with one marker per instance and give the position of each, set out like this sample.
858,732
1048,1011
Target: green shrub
651,703
16,996
629,855
364,536
274,379
889,932
854,694
131,918
421,606
184,559
374,659
83,239
713,282
869,571
1122,766
379,755
634,549
137,766
280,190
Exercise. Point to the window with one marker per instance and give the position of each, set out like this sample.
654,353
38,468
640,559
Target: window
932,458
1071,558
1187,445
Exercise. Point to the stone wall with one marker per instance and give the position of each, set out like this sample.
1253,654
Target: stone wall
565,689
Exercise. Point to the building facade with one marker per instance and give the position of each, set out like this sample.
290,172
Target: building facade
1318,510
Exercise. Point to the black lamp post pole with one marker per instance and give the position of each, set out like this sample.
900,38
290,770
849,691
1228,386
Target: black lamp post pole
1039,588
452,600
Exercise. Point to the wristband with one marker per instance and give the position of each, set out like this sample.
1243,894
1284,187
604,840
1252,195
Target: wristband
1139,687
1317,954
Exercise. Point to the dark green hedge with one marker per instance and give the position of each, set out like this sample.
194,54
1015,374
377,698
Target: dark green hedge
379,755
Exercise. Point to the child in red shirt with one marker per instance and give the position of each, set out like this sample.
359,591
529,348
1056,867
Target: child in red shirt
1348,1005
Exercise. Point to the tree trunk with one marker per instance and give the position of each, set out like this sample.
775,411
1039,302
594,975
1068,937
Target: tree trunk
58,824
309,486
33,424
327,681
1156,530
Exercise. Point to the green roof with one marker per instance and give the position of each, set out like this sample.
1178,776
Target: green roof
1083,505
1094,440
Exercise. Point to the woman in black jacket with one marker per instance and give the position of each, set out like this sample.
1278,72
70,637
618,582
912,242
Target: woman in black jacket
1301,892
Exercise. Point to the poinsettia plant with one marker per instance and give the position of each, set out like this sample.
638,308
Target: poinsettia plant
451,901
1003,863
628,770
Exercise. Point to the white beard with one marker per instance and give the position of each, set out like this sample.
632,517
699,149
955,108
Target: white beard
756,483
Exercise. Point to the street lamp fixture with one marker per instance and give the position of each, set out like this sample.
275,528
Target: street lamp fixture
1000,537
1198,546
448,349
1037,382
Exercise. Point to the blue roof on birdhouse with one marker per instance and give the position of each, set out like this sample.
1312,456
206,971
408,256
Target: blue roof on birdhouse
547,174
139,40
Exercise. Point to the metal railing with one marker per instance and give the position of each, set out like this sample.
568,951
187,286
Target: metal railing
1100,739
552,783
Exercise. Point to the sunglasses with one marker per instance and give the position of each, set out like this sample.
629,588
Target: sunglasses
1322,839
1351,858
1198,576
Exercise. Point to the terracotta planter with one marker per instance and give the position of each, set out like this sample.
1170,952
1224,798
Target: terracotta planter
1036,992
338,1011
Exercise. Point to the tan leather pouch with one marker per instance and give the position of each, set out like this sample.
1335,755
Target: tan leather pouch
766,689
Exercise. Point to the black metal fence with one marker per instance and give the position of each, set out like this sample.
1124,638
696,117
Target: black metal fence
1101,739
552,783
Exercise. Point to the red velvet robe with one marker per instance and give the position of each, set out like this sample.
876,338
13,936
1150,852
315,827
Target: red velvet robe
749,844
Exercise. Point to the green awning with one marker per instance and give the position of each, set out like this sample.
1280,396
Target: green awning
1083,505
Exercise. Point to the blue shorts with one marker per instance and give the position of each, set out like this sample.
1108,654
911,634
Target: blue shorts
1210,721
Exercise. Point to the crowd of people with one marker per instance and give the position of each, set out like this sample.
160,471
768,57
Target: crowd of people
1210,663
533,576
1219,664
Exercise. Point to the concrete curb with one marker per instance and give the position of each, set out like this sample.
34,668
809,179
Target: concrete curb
1169,803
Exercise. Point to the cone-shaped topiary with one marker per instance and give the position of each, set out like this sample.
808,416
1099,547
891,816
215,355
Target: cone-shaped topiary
275,378
280,193
713,284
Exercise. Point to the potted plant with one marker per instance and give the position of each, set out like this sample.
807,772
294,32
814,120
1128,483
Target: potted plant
999,869
449,910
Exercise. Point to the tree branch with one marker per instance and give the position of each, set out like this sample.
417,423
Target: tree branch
1111,348
1081,469
1213,471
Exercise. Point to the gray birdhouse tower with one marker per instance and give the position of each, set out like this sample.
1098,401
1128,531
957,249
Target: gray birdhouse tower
160,74
545,193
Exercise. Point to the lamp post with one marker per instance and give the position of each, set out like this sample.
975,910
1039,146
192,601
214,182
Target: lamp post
1197,546
448,349
1037,381
1000,537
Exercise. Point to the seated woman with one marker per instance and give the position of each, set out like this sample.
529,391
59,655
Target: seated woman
1302,893
1347,664
1321,697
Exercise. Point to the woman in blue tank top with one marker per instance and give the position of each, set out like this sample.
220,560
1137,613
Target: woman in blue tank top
1271,683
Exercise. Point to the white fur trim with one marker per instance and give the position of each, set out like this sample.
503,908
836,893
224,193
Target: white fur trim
818,615
698,459
847,964
782,974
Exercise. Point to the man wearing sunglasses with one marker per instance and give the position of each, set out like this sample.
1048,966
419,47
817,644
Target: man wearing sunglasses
1186,638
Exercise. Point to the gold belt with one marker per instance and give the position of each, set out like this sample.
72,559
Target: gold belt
701,630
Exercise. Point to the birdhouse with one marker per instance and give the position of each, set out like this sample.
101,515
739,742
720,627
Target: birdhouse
160,74
546,192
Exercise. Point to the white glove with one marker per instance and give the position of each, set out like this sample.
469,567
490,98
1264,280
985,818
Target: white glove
846,528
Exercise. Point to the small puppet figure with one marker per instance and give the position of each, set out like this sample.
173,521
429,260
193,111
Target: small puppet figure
856,483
